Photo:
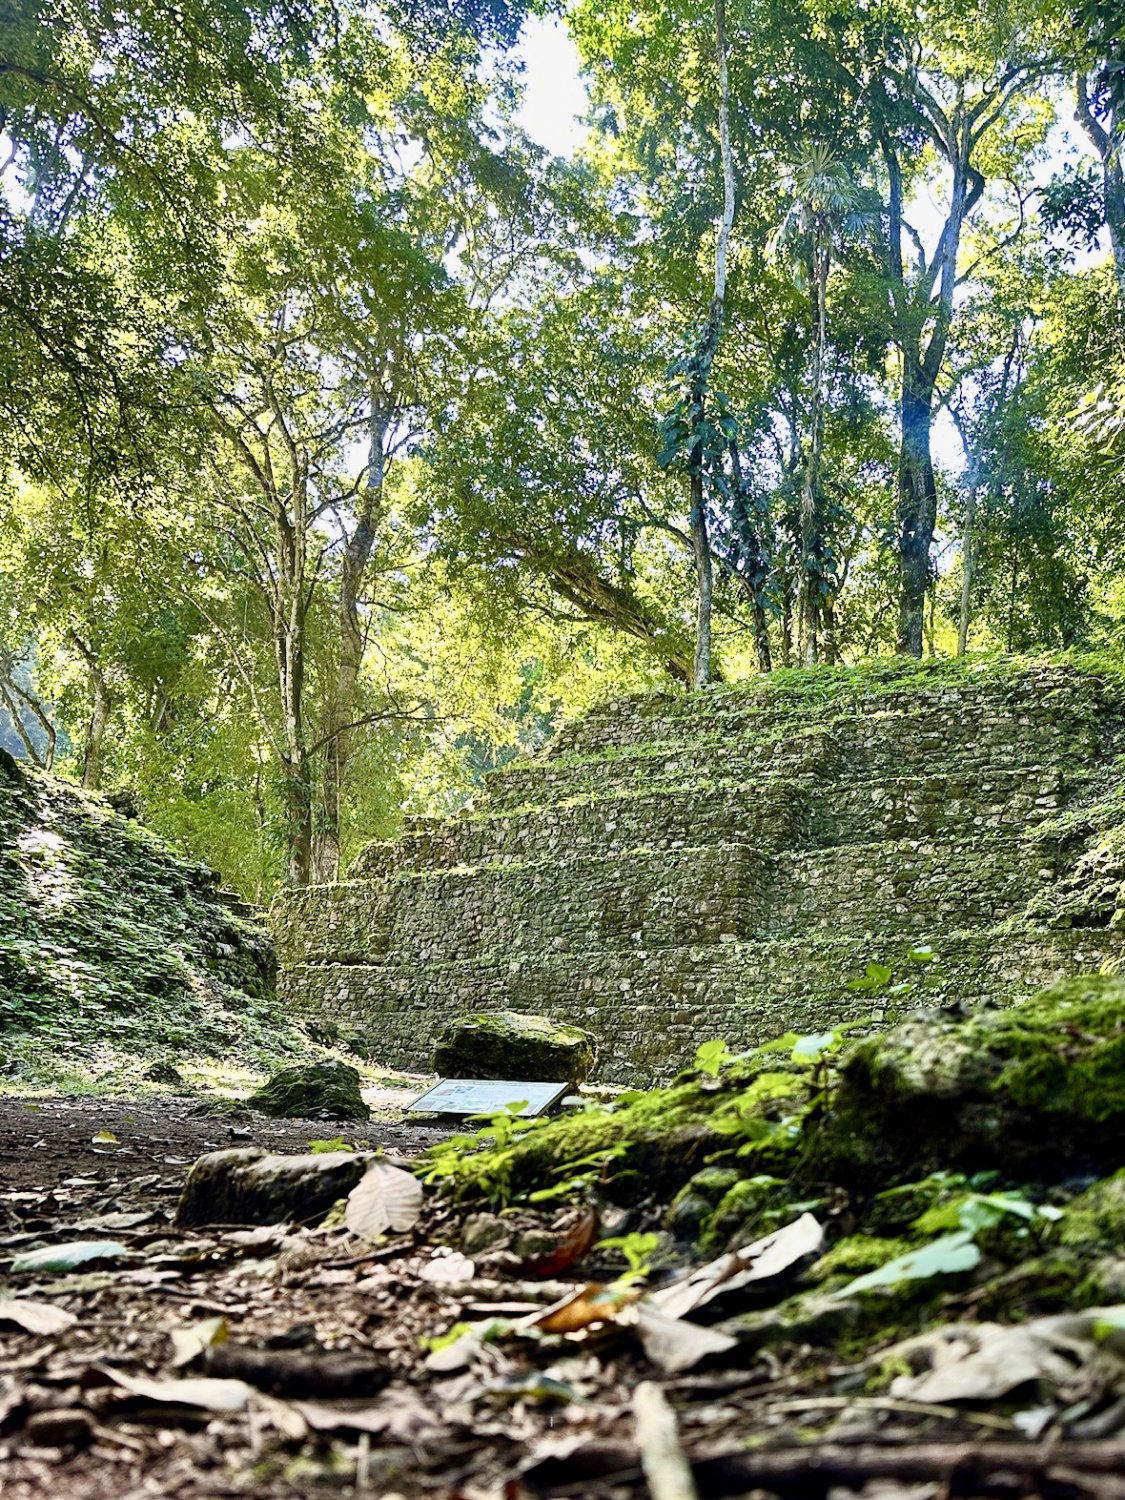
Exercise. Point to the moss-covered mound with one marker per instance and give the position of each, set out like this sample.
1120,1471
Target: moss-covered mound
963,1167
312,1091
507,1044
114,951
1037,1090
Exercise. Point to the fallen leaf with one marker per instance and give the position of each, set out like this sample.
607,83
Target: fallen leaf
998,1361
399,1413
189,1343
584,1308
209,1394
576,1235
767,1257
69,1257
448,1270
36,1317
385,1198
674,1345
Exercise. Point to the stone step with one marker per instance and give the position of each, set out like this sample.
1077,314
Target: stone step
655,899
775,813
919,886
665,766
879,746
767,703
651,1010
660,898
768,816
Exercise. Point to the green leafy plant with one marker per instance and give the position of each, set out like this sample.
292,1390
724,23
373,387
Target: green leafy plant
711,1056
637,1248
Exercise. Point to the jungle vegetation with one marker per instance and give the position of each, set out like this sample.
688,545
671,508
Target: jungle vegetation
349,436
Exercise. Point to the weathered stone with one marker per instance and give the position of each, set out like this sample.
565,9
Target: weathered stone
508,1045
1038,1090
312,1091
673,870
247,1186
484,1232
163,1072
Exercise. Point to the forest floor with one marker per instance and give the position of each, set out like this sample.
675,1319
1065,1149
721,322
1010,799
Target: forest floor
344,1372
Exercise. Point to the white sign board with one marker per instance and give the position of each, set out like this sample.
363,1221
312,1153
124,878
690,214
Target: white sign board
487,1096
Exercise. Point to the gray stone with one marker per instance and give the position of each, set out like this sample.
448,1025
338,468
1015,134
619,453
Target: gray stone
505,1044
248,1186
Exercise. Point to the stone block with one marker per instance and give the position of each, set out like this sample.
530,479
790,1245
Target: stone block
505,1044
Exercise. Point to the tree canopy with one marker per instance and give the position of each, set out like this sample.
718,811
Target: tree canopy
350,437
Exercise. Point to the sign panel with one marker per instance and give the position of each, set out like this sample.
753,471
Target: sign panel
487,1096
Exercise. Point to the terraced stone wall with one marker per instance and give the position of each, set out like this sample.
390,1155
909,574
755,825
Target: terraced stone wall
671,870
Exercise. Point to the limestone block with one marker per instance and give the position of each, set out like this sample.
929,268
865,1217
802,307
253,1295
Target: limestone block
505,1044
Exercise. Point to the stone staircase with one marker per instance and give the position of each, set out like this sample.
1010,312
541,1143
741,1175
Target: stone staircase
671,870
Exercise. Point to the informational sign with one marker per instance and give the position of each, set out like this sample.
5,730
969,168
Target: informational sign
487,1096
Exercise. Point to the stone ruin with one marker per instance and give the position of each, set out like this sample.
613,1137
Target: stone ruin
669,871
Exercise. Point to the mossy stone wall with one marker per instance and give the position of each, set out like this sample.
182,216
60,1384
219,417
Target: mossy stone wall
721,865
108,939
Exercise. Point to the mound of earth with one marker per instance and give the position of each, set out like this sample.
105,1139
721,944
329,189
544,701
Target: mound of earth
113,948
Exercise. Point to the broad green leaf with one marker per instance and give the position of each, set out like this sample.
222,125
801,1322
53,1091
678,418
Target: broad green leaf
944,1257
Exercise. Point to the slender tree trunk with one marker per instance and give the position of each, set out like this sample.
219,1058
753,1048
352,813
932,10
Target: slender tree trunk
357,556
1108,143
917,508
701,547
810,518
95,730
968,565
762,636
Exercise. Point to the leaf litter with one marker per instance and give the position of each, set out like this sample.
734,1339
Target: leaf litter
287,1360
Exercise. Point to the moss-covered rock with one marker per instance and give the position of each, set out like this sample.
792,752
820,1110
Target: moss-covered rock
1097,1216
650,1144
247,1186
1038,1090
506,1044
312,1091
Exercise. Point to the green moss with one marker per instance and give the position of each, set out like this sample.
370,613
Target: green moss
651,1143
312,1091
856,1255
1097,1216
1031,1088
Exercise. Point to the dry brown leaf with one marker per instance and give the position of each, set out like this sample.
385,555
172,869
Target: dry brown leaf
766,1257
584,1308
210,1394
36,1317
674,1345
576,1233
385,1198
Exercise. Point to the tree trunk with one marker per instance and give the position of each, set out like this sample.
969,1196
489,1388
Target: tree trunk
968,567
1106,141
357,556
917,508
95,730
298,819
701,547
762,636
809,601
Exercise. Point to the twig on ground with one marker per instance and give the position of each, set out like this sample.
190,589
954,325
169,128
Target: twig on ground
662,1458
